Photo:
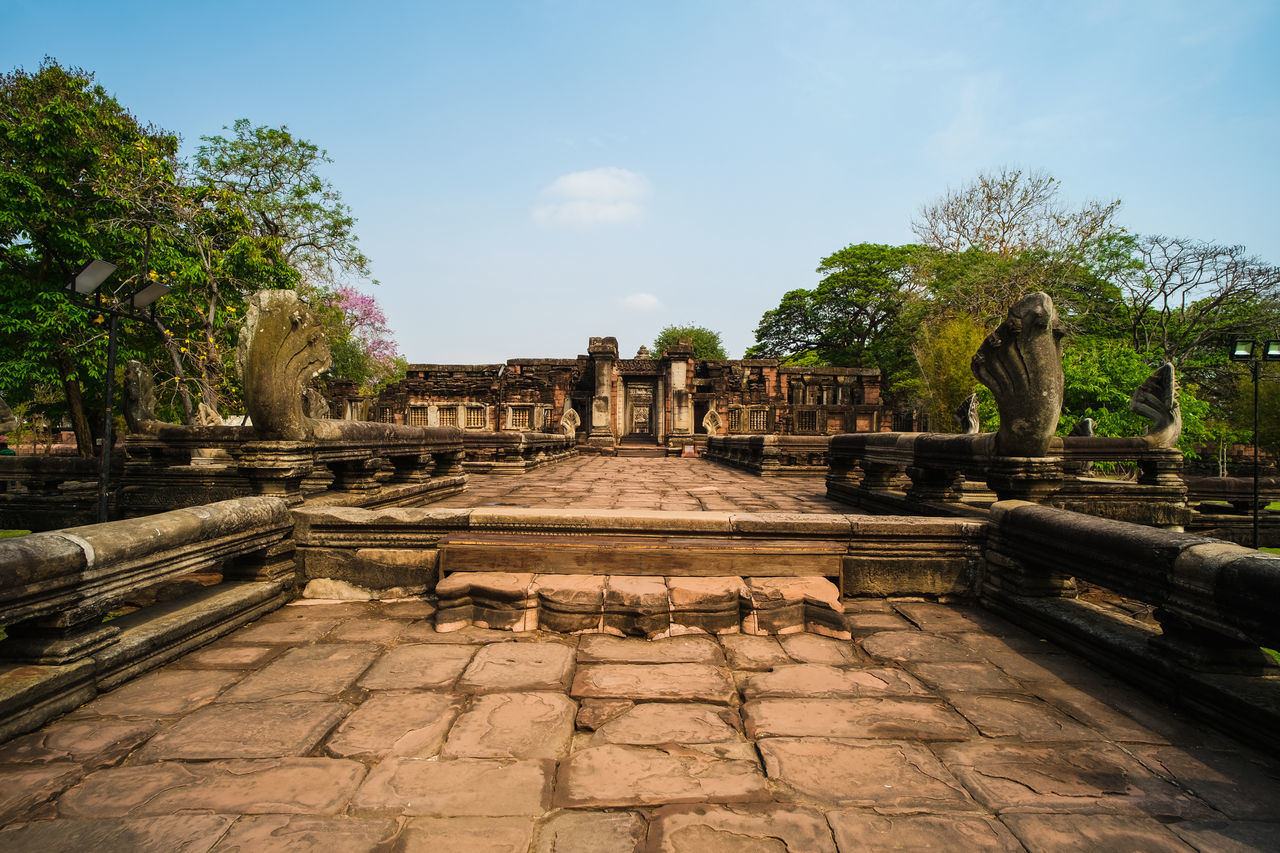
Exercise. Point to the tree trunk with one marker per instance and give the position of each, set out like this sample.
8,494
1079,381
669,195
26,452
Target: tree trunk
75,404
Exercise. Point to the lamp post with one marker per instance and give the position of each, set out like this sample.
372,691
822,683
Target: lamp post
1244,350
86,282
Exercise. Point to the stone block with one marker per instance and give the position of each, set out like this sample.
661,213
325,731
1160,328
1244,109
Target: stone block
246,730
499,600
409,725
419,666
855,830
29,785
751,652
818,681
310,832
570,603
1097,832
511,667
699,829
667,682
604,649
307,673
185,833
513,725
599,832
712,605
791,605
463,787
615,776
889,717
472,834
656,723
636,606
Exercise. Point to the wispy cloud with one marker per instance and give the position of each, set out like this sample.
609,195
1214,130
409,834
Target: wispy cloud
603,196
641,302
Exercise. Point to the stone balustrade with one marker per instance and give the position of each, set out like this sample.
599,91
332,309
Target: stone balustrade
514,452
40,492
56,587
771,455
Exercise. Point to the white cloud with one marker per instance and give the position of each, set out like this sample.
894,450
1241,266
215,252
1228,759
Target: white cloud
641,302
606,195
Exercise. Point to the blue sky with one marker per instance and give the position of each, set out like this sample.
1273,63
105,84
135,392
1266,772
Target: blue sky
528,174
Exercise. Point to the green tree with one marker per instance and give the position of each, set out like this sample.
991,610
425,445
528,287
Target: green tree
706,343
943,353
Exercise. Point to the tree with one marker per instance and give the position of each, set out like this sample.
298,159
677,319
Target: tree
360,341
706,343
860,314
943,353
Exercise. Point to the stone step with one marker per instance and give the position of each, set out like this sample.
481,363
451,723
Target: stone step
641,451
639,605
653,555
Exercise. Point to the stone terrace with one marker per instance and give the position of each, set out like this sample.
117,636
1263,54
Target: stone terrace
356,726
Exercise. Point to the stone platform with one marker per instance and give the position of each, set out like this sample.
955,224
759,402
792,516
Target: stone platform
359,727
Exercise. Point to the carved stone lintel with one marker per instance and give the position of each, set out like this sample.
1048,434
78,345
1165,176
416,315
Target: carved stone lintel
1021,362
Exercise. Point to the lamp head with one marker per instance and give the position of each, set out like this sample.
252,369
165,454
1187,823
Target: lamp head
1271,352
1242,350
90,276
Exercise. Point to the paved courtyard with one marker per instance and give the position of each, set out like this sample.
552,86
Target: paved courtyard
356,726
674,484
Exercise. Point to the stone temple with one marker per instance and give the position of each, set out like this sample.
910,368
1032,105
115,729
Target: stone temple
535,628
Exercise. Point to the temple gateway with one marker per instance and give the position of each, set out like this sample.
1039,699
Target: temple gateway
666,401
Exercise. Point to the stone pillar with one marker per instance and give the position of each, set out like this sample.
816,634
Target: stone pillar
603,352
276,468
676,363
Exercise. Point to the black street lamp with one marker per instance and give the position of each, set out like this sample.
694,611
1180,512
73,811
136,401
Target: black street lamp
1244,350
86,282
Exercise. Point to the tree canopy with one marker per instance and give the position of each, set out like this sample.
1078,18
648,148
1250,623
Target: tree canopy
706,343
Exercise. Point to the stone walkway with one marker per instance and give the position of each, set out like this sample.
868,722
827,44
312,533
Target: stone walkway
356,726
596,482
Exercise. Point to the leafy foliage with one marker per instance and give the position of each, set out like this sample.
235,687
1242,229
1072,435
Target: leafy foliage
706,343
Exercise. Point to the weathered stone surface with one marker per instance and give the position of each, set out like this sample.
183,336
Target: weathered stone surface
1241,787
917,719
463,787
739,829
917,647
861,831
226,656
570,603
499,600
886,776
28,785
1101,716
636,606
806,648
382,631
510,667
605,649
615,776
246,730
672,682
281,347
1228,836
513,725
421,666
964,677
862,623
470,834
278,832
707,604
410,725
1023,717
751,652
599,832
652,723
1050,833
280,786
93,743
297,629
160,694
424,631
594,713
1084,777
187,833
817,681
310,673
934,618
789,605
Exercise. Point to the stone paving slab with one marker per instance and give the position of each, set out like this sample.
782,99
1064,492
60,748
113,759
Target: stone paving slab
470,834
892,777
599,648
617,776
306,673
508,667
190,833
817,681
654,723
246,730
859,831
711,829
161,694
309,832
1058,833
513,725
672,682
463,787
422,666
599,832
894,718
748,652
278,786
28,785
410,725
92,743
1025,718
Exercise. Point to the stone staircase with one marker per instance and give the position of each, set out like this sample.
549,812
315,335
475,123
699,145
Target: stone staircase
639,585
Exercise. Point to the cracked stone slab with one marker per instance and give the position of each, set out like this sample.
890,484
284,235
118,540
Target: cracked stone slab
420,666
1228,836
594,713
1078,704
671,682
807,648
653,723
707,604
280,786
1073,777
598,832
1021,717
291,631
228,656
636,605
306,673
596,648
731,829
617,776
1240,788
470,834
511,667
411,725
162,693
1049,833
178,833
889,717
819,681
513,725
861,831
872,774
373,630
752,652
310,832
246,730
463,787
92,743
28,785
917,647
965,677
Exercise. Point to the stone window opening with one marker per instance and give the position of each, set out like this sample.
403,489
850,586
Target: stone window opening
520,417
475,417
759,420
807,421
417,416
448,416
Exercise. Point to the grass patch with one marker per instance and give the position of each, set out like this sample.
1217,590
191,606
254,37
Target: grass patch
1275,654
9,534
